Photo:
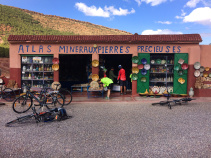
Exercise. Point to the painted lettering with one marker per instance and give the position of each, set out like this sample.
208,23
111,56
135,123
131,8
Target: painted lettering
40,48
85,49
76,49
72,49
66,49
116,49
62,48
106,49
150,48
99,49
49,48
111,50
167,49
27,48
90,49
80,49
178,49
121,48
33,48
173,49
21,49
127,49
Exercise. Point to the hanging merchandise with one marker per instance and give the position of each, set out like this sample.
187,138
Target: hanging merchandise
176,68
201,69
207,68
55,67
143,72
135,59
95,63
184,66
181,80
140,66
134,76
158,61
143,79
144,61
197,65
180,72
55,61
147,66
95,77
181,61
135,70
152,61
205,74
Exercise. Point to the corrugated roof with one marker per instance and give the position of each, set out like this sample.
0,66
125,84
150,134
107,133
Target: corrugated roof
179,38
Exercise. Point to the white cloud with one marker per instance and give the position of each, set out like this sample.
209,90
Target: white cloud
199,15
139,2
91,11
165,22
181,16
159,31
192,3
119,12
153,2
106,12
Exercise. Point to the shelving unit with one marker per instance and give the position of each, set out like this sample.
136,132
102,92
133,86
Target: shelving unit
161,70
36,70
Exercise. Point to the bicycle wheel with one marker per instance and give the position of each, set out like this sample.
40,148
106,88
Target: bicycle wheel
9,94
22,104
54,100
21,120
67,96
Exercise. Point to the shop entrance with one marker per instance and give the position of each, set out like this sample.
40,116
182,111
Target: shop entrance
74,69
113,60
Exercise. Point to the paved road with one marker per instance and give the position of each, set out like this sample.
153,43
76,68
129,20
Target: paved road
135,130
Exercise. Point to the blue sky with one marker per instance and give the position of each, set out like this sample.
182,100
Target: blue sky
134,16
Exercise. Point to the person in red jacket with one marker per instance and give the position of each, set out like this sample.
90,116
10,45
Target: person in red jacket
122,78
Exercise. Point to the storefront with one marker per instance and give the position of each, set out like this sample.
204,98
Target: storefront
164,62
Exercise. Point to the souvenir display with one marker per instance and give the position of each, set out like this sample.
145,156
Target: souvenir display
181,61
147,66
135,59
176,68
181,80
143,61
158,61
55,67
94,85
197,65
95,77
205,74
197,73
135,70
54,85
201,69
140,66
170,89
207,68
184,66
152,61
134,76
95,63
180,72
162,89
201,74
55,61
155,89
143,79
209,74
143,72
163,61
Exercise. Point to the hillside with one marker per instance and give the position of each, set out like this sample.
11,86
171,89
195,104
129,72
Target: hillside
18,21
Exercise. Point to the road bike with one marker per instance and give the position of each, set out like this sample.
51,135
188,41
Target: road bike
42,99
66,94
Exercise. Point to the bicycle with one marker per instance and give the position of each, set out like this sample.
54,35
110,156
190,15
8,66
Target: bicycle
67,94
44,99
7,93
52,114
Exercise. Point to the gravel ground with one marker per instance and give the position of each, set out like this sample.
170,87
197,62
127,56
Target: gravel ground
123,130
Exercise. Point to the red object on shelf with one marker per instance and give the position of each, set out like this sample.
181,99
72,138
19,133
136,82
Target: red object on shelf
184,66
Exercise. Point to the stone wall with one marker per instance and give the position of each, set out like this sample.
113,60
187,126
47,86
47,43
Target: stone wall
5,67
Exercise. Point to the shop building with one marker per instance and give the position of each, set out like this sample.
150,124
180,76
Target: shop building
31,59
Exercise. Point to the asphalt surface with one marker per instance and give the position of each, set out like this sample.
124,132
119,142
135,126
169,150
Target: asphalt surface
110,130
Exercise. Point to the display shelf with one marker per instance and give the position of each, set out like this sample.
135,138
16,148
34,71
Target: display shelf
36,70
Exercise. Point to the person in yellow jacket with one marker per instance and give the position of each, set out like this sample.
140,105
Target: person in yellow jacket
107,82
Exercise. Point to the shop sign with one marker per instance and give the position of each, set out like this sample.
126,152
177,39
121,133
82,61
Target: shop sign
100,49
